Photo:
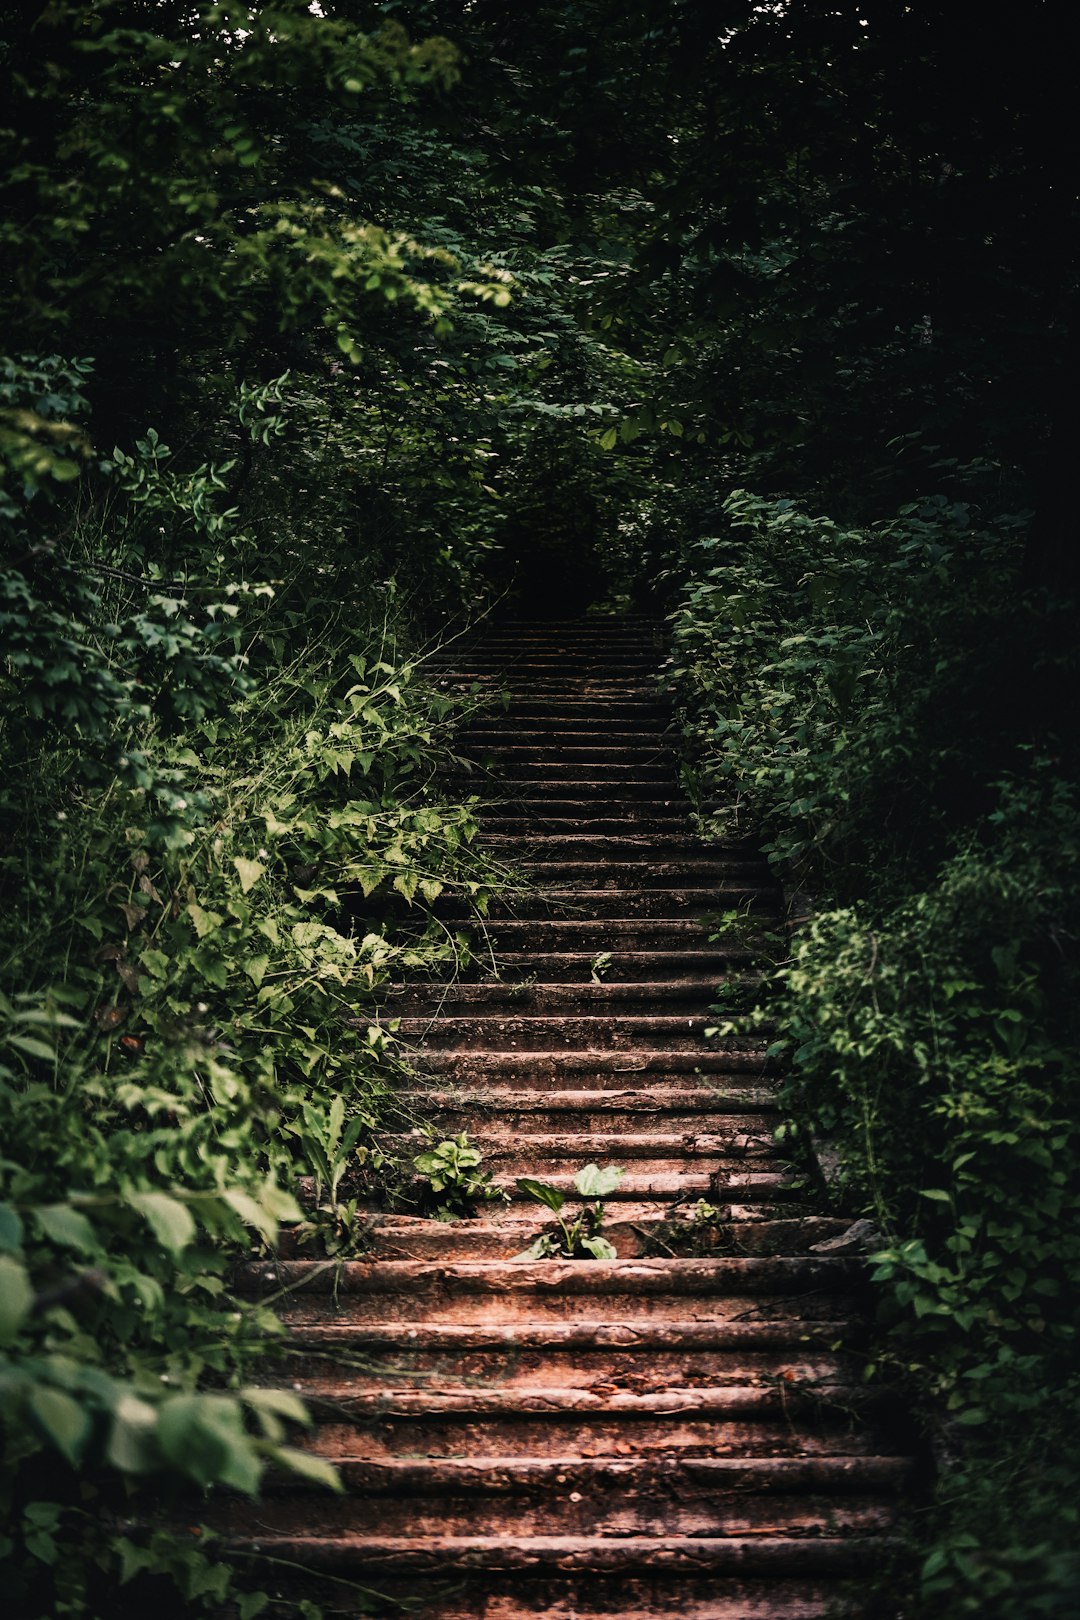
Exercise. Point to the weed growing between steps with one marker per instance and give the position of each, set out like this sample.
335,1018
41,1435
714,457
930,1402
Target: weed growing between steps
581,1238
454,1184
849,690
189,1028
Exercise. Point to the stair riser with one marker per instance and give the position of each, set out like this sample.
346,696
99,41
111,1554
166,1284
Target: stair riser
631,1033
559,1515
478,1595
507,999
588,1071
377,1439
648,1232
601,1369
587,905
658,968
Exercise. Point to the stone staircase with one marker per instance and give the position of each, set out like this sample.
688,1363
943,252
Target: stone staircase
678,1431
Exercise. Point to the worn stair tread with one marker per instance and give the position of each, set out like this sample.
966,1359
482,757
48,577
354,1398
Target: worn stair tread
662,1276
511,1474
504,995
673,1098
562,1597
784,1328
654,1553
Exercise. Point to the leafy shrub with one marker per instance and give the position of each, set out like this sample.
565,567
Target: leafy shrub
848,691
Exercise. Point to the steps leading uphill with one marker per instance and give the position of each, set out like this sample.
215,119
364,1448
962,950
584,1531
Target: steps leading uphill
681,1430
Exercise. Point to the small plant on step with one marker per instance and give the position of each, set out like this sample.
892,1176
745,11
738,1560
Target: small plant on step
580,1238
599,966
455,1184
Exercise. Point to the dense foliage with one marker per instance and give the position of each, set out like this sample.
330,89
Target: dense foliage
325,328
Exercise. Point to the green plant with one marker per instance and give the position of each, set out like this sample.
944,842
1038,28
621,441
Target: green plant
581,1237
600,966
455,1183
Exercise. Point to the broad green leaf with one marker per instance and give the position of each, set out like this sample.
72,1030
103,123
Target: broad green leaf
251,1212
11,1228
542,1191
281,1402
308,1466
132,1443
66,1226
541,1248
255,967
32,1046
592,1182
170,1221
61,1419
203,1436
16,1297
599,1248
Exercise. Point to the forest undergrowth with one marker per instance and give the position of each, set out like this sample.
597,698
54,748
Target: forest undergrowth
834,686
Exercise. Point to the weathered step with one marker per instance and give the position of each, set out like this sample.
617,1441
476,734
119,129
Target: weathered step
490,1596
558,752
616,1105
597,1371
622,966
663,1181
615,788
562,1512
552,688
649,769
635,1229
494,1285
581,708
588,818
705,871
825,1404
591,1070
537,1033
613,935
628,904
626,845
491,996
507,730
726,1143
780,1555
720,1477
771,1325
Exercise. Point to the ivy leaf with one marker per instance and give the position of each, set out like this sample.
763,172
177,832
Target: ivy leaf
255,967
405,883
249,872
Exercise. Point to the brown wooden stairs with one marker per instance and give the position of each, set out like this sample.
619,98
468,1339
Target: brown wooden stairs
682,1430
